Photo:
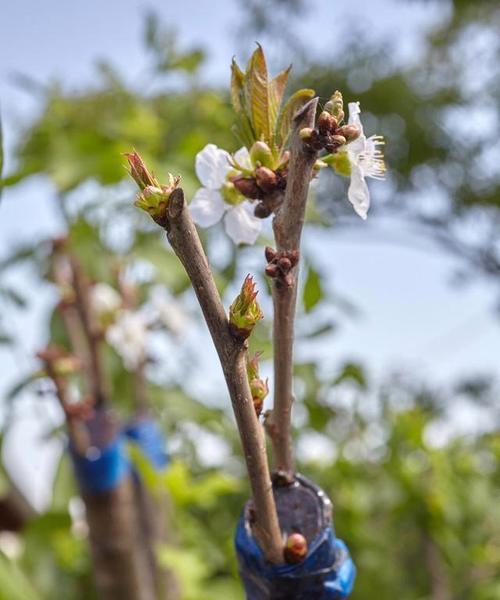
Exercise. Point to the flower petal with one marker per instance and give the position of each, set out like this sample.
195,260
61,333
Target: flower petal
207,207
242,226
242,157
212,165
358,193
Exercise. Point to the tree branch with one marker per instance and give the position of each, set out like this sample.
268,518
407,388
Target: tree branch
184,239
287,227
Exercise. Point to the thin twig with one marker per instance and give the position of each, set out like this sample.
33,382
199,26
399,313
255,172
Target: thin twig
82,302
183,237
287,227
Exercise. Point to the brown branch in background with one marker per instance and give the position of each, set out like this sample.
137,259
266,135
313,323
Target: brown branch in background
439,582
53,359
92,332
287,226
183,237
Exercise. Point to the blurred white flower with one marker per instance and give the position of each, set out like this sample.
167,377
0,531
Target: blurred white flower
128,336
218,197
11,544
169,310
365,161
104,300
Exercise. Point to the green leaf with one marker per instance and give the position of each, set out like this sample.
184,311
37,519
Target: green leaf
292,105
243,129
14,584
313,291
276,91
256,94
351,372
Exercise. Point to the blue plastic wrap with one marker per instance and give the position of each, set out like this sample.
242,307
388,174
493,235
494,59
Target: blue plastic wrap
102,469
326,573
149,437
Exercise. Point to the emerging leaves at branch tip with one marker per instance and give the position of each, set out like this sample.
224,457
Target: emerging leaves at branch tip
153,196
245,312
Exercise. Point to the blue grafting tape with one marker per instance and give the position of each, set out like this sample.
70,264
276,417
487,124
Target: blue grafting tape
102,469
150,438
327,572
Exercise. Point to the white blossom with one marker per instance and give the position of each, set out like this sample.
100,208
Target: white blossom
169,310
128,336
104,300
218,199
365,161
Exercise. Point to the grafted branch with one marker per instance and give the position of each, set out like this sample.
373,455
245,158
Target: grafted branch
287,226
183,237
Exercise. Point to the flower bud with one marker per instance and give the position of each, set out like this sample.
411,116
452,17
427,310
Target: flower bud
245,312
272,270
247,186
335,106
350,132
261,155
295,548
270,253
326,123
262,210
285,264
306,133
266,179
339,140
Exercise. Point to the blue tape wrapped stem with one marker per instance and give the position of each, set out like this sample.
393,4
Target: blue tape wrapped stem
149,437
326,573
105,464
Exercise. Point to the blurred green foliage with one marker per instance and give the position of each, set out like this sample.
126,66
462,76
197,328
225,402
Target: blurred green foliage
422,521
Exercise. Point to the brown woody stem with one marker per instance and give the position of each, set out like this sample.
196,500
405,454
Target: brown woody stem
287,226
96,375
183,237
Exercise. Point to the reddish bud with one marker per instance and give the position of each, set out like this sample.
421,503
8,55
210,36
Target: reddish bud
350,132
295,548
270,253
285,264
247,186
294,256
326,123
272,270
266,179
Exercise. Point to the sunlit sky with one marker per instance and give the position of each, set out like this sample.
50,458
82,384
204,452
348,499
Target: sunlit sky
411,318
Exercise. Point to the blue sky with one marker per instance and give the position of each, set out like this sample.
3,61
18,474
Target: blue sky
411,318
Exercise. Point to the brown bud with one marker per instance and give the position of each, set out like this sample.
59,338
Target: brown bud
270,254
247,186
272,270
326,122
266,179
288,280
262,210
294,256
295,548
285,264
306,134
339,140
350,132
